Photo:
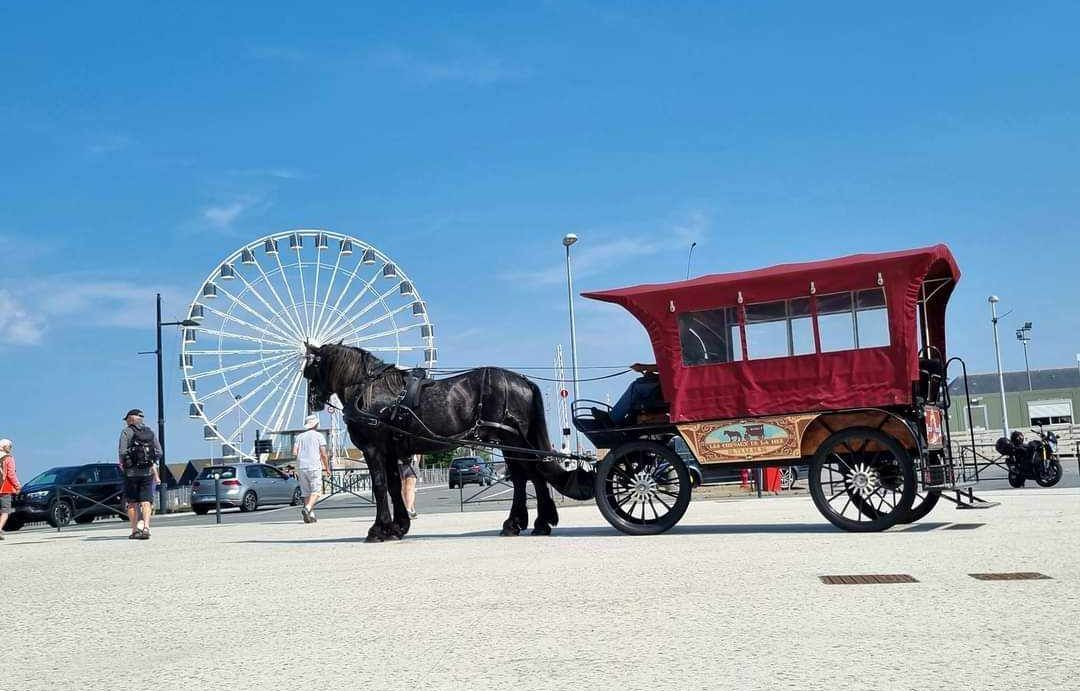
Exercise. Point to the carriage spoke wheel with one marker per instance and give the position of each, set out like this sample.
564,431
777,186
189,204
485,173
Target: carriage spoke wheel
862,480
642,488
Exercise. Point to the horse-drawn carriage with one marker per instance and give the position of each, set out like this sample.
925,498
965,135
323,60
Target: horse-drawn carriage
839,364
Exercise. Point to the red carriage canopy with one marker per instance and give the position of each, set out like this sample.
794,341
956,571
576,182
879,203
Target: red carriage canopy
719,339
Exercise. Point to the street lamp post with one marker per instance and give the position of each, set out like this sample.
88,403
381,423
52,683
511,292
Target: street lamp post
993,300
1023,334
161,398
568,240
689,256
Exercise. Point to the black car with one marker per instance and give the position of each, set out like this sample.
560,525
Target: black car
62,495
470,469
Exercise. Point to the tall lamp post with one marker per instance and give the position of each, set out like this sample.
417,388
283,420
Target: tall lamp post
161,398
568,240
1023,334
689,256
993,300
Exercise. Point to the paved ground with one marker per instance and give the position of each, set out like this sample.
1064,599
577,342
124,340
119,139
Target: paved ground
730,599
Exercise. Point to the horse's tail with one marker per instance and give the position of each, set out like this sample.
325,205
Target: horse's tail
575,484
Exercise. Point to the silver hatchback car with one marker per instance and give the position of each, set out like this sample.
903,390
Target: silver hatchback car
244,485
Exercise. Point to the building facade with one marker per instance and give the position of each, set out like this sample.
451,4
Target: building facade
1052,400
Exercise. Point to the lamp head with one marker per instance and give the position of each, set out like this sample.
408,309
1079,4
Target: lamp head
569,239
993,299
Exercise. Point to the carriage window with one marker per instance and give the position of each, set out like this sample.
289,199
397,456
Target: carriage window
766,330
802,326
871,318
710,337
835,322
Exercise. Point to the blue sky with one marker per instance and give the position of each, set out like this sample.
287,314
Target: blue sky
142,143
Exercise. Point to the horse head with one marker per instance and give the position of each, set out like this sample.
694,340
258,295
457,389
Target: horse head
319,392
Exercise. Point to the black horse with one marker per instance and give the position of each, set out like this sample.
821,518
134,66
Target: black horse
488,404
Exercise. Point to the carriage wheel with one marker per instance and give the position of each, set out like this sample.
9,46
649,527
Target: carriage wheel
642,488
862,480
891,477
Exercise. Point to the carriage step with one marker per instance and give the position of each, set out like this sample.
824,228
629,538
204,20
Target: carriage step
978,504
967,500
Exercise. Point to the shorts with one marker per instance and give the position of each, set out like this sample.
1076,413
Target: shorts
5,503
407,470
310,481
139,489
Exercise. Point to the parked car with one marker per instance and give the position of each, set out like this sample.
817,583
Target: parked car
790,474
470,469
65,494
244,485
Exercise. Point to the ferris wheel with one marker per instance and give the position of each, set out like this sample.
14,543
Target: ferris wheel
243,362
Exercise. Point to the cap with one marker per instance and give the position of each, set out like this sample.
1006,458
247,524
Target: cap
311,422
133,411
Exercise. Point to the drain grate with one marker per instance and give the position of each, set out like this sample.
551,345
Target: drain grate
870,579
965,526
1017,576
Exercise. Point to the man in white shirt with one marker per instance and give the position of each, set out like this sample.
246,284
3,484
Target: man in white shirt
311,460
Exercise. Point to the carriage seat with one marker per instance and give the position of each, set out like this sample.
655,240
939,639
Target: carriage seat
931,380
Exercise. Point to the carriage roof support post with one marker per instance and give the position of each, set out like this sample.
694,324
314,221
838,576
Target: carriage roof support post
993,300
570,239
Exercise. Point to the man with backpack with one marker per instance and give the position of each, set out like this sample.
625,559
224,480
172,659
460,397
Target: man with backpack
139,455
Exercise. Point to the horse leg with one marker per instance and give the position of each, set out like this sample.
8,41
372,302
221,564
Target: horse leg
377,469
401,523
519,511
546,513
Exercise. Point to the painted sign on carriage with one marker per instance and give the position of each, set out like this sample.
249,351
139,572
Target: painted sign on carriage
755,439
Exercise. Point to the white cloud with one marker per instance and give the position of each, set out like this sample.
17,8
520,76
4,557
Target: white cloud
18,326
109,144
223,215
473,67
591,259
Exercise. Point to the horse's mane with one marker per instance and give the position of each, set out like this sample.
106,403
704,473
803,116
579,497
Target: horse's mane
346,365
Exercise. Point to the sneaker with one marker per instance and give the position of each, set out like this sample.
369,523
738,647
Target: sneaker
306,515
135,535
412,514
142,535
314,518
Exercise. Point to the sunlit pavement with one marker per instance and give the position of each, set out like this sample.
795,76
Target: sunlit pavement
732,598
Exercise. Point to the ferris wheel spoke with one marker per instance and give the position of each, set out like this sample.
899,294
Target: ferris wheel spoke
243,380
329,290
352,303
394,349
255,411
288,290
242,365
242,337
348,284
389,332
277,297
292,403
231,317
242,351
373,322
279,408
303,288
315,290
281,371
380,299
284,332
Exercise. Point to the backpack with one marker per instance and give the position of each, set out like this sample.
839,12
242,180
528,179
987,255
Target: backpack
141,453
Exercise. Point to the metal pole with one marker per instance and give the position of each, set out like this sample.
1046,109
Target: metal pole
1001,377
1027,367
160,414
217,497
573,340
690,256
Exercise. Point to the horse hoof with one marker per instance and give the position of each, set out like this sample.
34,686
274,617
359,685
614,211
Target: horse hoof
372,538
544,531
507,532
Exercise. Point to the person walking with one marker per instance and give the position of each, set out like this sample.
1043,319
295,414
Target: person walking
311,462
139,453
408,484
9,482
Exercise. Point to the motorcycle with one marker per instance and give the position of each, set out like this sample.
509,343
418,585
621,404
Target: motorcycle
1035,460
